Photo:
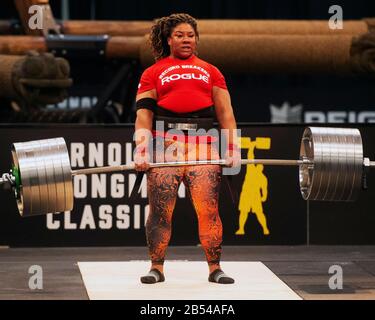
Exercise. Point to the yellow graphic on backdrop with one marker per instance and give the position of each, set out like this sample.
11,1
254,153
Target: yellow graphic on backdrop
255,186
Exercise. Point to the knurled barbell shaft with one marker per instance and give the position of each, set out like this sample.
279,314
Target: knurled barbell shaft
273,162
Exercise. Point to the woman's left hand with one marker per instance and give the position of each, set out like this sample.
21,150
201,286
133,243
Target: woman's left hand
233,158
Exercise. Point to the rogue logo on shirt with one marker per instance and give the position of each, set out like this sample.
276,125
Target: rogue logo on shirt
184,76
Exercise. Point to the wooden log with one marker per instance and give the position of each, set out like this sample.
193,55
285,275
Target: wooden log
238,27
267,54
113,28
21,44
263,54
120,47
117,47
370,23
279,27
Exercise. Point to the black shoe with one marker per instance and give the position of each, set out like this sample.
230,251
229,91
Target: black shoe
218,276
153,276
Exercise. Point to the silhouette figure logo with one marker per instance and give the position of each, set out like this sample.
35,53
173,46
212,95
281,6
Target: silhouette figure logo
255,186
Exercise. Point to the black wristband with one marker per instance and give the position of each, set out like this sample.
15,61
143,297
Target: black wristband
146,103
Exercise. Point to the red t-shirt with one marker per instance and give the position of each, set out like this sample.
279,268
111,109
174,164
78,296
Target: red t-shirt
182,85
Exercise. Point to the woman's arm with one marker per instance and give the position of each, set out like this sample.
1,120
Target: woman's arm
224,113
145,116
143,133
225,116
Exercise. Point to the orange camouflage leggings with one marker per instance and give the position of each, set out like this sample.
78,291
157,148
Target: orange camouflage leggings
203,183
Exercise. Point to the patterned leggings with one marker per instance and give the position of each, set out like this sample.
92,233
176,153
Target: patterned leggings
203,183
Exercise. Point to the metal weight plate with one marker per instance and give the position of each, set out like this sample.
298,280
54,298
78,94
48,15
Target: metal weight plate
310,175
334,171
46,180
23,199
331,147
358,165
42,179
341,165
59,164
347,153
50,176
337,156
305,170
344,167
55,163
23,157
67,173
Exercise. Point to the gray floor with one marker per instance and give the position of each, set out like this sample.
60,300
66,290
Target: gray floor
302,268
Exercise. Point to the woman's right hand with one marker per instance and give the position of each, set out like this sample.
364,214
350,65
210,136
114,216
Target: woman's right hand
142,161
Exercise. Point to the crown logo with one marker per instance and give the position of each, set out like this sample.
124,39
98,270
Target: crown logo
286,113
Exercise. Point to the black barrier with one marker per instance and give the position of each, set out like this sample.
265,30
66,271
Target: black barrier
303,99
104,215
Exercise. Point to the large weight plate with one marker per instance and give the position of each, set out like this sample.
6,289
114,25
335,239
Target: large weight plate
337,157
67,173
50,176
46,180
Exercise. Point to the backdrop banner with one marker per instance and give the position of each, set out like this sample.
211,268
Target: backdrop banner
270,205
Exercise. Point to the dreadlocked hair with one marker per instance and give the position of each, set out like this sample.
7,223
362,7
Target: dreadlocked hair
162,29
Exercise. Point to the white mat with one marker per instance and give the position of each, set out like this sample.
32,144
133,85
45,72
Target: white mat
185,280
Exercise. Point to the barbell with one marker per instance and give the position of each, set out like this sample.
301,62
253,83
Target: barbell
331,168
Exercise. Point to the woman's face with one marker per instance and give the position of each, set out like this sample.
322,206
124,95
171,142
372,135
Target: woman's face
182,41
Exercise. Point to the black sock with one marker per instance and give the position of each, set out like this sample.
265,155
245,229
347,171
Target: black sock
153,276
218,276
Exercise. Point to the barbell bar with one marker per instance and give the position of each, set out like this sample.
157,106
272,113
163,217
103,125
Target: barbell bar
331,168
222,162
